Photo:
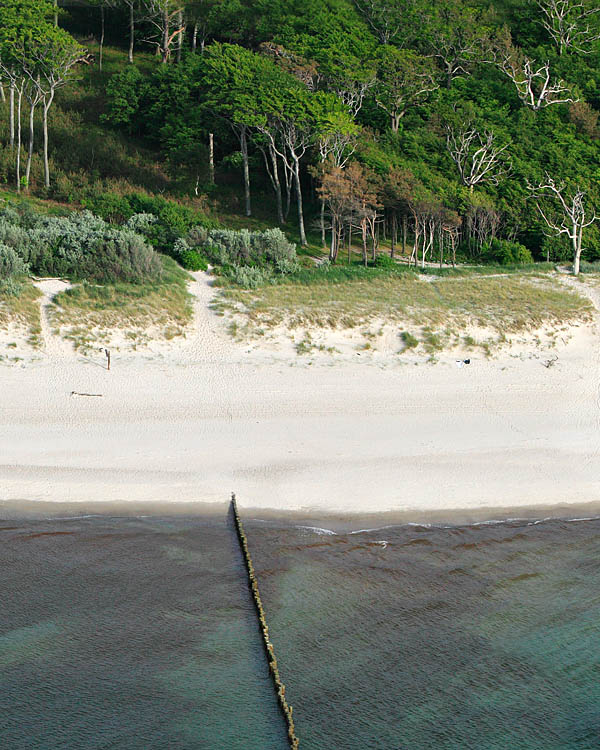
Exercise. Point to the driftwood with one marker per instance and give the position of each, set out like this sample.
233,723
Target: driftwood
76,393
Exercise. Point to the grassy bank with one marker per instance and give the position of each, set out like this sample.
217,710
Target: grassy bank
21,311
436,312
91,314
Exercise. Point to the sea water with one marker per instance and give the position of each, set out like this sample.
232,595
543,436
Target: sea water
140,633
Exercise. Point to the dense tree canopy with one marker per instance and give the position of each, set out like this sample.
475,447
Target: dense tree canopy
456,106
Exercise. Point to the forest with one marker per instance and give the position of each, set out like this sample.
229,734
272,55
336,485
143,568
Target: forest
434,131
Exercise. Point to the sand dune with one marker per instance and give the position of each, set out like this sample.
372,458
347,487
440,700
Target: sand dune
193,421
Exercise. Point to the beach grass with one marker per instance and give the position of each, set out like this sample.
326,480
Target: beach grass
22,310
441,308
90,313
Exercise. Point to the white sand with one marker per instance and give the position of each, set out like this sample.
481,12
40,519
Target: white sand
193,421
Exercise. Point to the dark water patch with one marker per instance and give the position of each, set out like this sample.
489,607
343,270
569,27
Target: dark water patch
130,633
484,637
139,633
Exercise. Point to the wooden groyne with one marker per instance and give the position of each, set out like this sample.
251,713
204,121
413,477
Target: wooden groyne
286,709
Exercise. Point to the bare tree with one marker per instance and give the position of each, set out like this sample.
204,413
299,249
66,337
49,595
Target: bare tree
352,88
427,217
162,15
481,223
477,157
533,82
564,212
568,23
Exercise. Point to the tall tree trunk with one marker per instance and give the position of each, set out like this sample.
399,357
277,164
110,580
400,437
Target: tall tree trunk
244,149
12,114
333,250
277,185
131,33
322,220
195,37
404,235
299,199
393,235
350,240
18,164
101,33
577,236
373,243
30,145
180,35
211,158
2,94
363,227
165,39
46,108
288,190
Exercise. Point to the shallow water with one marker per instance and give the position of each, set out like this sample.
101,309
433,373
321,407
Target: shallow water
140,633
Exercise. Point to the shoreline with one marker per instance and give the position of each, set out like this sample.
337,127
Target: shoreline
323,522
318,436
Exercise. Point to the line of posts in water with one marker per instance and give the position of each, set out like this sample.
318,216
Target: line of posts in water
270,651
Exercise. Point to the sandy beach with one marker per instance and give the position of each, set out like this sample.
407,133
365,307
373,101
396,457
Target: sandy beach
194,420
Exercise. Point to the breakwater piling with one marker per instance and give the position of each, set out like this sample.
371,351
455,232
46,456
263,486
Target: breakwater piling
286,709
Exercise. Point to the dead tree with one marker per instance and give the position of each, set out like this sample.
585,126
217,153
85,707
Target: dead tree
533,82
161,15
565,213
568,23
476,156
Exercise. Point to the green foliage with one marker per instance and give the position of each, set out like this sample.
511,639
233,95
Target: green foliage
409,341
169,219
193,260
81,246
11,264
246,258
275,65
506,253
384,261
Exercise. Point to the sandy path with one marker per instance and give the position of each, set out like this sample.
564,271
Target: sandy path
54,346
208,340
358,437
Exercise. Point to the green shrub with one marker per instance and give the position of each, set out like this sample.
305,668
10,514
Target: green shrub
80,245
250,277
384,261
193,261
233,251
506,253
10,287
409,341
171,219
11,263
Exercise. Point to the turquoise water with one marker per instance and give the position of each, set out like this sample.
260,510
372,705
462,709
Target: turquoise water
140,633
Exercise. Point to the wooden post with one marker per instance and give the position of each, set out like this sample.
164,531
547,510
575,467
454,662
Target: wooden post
107,352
